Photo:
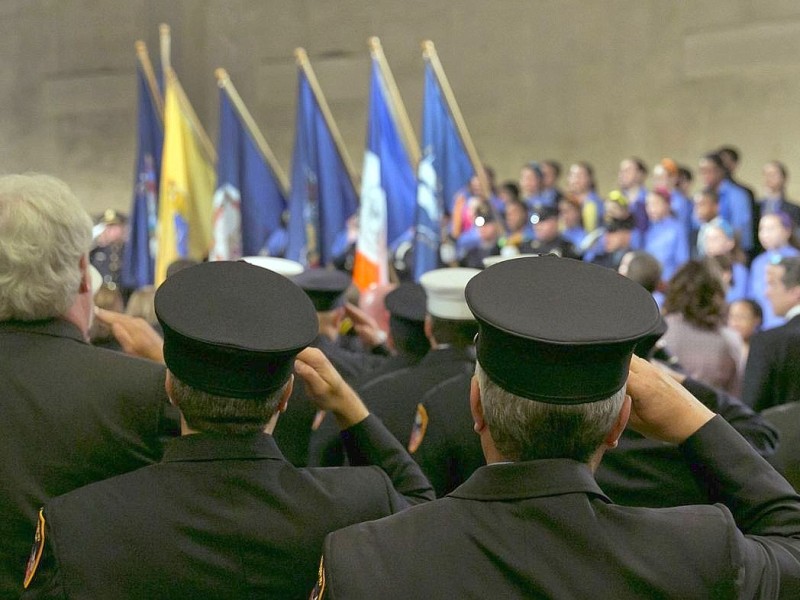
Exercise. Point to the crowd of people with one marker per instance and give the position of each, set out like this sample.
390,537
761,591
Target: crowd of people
251,428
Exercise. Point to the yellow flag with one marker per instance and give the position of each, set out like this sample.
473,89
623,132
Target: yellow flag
187,184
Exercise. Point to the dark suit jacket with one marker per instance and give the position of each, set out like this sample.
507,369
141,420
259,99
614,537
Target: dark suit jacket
545,529
71,414
772,374
644,472
220,517
393,398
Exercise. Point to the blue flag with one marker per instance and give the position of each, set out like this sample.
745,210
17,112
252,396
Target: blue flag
249,199
322,196
138,266
389,189
444,169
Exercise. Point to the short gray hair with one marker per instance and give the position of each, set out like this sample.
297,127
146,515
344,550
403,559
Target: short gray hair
210,413
524,429
44,232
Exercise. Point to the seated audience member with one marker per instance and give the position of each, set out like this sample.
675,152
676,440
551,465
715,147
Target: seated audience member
547,405
394,397
772,375
518,227
730,160
613,244
745,317
581,184
531,186
71,413
734,203
488,234
665,176
569,221
717,240
547,239
665,237
684,181
551,171
631,177
645,269
694,310
706,209
774,199
508,192
776,236
225,515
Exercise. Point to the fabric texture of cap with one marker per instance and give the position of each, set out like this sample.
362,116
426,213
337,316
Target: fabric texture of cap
407,301
557,330
325,287
283,266
444,289
233,329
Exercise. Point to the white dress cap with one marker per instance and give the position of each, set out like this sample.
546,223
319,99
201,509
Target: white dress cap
282,266
444,289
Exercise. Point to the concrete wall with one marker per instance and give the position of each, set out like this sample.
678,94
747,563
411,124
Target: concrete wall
565,79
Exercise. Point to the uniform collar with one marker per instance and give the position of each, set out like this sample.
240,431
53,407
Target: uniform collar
529,479
206,446
793,312
52,327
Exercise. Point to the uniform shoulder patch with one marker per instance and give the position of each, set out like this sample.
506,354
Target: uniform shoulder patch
318,593
36,551
419,429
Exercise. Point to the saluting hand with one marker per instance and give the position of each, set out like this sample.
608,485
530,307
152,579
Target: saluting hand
662,409
366,327
134,334
327,388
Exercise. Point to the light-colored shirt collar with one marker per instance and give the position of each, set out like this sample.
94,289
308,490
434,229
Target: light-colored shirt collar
793,312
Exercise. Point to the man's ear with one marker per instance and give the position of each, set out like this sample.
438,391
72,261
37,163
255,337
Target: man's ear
612,437
286,393
475,406
86,276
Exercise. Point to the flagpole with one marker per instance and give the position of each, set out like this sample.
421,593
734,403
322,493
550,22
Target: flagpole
429,53
225,83
303,62
410,138
150,77
165,41
202,136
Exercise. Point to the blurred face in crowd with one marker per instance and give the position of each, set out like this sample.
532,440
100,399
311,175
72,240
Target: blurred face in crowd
529,183
661,178
569,213
710,174
549,176
742,319
774,181
546,229
657,207
705,208
780,297
488,233
578,180
616,240
516,217
716,243
628,174
771,232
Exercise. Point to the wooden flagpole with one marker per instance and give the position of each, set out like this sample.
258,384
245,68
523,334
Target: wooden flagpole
429,53
399,109
150,77
225,83
202,136
165,46
303,62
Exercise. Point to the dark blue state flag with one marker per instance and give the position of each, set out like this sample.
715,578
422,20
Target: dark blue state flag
138,265
322,194
444,169
249,199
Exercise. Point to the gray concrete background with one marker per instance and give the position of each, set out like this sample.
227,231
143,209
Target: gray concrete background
567,79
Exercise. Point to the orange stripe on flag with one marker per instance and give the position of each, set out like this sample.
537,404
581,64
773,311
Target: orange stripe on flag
365,273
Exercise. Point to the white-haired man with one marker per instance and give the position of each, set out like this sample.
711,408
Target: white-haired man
72,413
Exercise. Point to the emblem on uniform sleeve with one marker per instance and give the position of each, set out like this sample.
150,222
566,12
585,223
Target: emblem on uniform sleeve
418,431
36,551
318,593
